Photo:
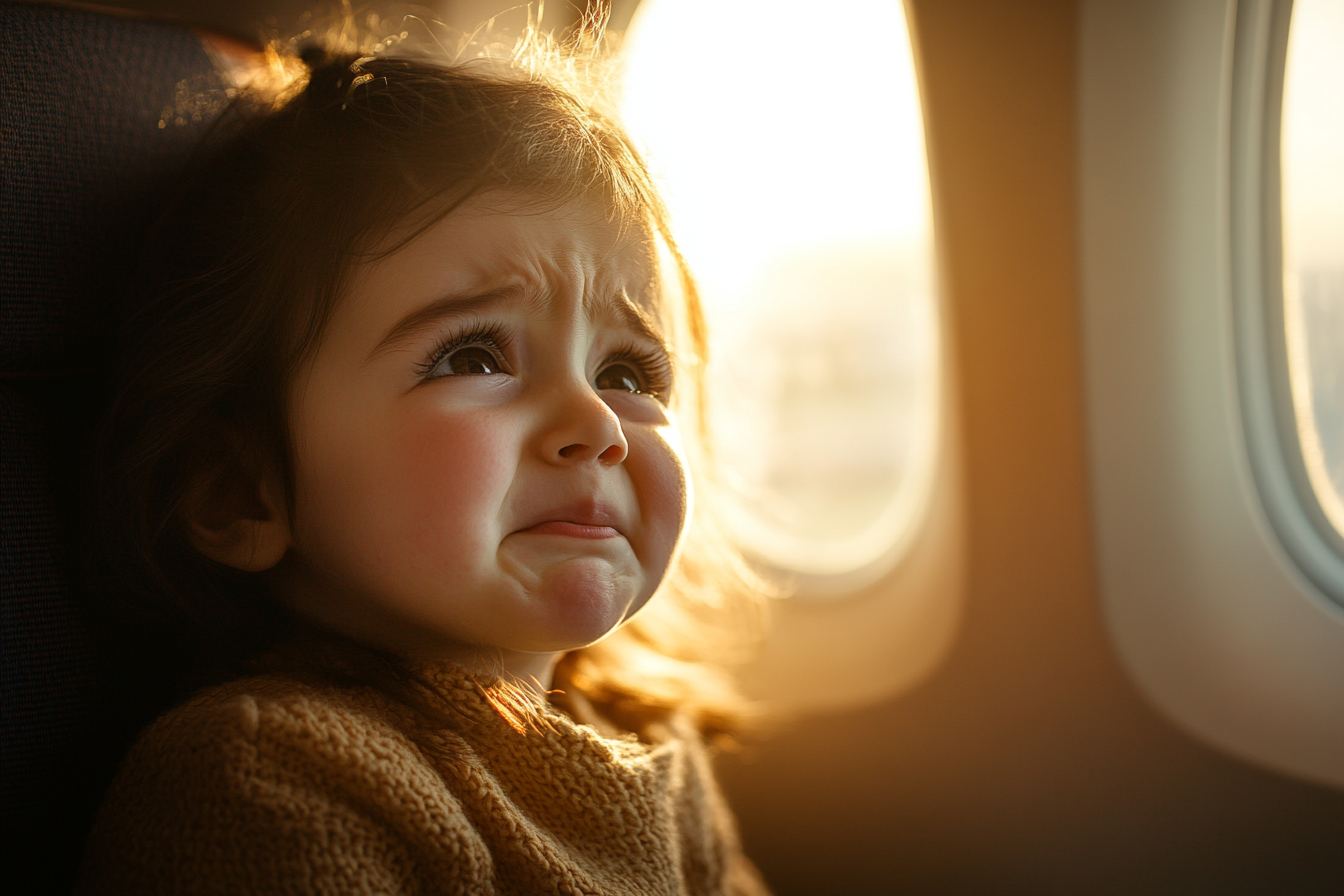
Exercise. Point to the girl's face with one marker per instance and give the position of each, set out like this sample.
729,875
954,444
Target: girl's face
487,469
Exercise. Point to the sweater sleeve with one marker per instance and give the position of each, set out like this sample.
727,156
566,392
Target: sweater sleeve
246,794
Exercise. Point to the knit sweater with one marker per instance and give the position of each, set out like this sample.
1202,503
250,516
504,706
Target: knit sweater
269,785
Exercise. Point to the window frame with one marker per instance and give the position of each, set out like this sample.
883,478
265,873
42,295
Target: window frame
1269,418
1211,612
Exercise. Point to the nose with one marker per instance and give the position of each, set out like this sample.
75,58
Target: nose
583,428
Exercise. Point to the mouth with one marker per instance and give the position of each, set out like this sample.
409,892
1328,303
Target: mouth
571,530
586,519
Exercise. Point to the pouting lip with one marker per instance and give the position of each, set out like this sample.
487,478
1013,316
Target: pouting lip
589,513
571,530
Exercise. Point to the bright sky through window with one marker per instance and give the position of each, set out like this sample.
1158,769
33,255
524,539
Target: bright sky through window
1313,201
790,145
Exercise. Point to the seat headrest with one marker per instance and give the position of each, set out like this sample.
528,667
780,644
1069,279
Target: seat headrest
91,147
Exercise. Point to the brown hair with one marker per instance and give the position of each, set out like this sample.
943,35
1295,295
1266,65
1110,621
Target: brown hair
238,279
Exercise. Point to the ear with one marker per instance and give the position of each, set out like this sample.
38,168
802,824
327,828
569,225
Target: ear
238,521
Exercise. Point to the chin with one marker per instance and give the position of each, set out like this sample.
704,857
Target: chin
580,605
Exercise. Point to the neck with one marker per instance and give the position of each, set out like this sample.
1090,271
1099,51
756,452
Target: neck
363,623
533,671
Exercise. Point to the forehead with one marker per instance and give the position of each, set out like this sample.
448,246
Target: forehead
498,252
502,239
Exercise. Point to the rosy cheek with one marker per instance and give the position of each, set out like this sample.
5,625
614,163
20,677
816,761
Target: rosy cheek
416,495
664,489
452,472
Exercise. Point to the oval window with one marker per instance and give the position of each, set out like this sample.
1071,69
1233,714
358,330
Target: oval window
791,153
1313,242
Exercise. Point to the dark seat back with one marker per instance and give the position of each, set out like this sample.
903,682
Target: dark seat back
90,144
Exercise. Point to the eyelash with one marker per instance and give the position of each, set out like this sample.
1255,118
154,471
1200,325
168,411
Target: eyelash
653,365
491,336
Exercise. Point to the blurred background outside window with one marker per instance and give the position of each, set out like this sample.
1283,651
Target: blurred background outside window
1313,225
792,157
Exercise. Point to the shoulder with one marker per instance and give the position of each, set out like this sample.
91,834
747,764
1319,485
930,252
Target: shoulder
275,727
264,781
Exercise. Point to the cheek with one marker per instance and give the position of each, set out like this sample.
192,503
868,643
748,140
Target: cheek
658,472
452,472
419,495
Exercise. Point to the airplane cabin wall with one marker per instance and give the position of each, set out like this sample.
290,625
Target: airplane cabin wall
1028,763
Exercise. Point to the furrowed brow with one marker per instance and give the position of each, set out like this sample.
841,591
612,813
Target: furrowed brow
446,308
623,311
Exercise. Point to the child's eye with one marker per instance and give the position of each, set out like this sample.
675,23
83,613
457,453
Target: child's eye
637,370
471,360
619,376
478,352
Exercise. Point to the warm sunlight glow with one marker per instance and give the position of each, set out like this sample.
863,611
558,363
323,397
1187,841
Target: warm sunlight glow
791,149
1313,203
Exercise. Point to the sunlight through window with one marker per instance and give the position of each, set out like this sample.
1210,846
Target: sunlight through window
791,151
1313,204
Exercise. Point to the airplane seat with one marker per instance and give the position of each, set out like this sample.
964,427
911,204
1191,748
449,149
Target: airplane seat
90,142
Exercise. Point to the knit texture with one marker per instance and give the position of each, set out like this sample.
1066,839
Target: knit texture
269,785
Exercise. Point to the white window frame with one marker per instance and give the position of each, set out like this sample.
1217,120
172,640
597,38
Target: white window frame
1212,588
885,637
1272,432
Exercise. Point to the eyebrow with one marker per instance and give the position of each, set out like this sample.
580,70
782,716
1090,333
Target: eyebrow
446,308
629,315
616,306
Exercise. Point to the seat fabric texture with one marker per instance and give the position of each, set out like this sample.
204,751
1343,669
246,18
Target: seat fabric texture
97,121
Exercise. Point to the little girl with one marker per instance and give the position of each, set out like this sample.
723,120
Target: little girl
392,465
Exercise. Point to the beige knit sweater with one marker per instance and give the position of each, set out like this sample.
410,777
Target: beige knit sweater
268,785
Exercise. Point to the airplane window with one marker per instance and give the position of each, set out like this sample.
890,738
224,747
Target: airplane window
797,181
1313,225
